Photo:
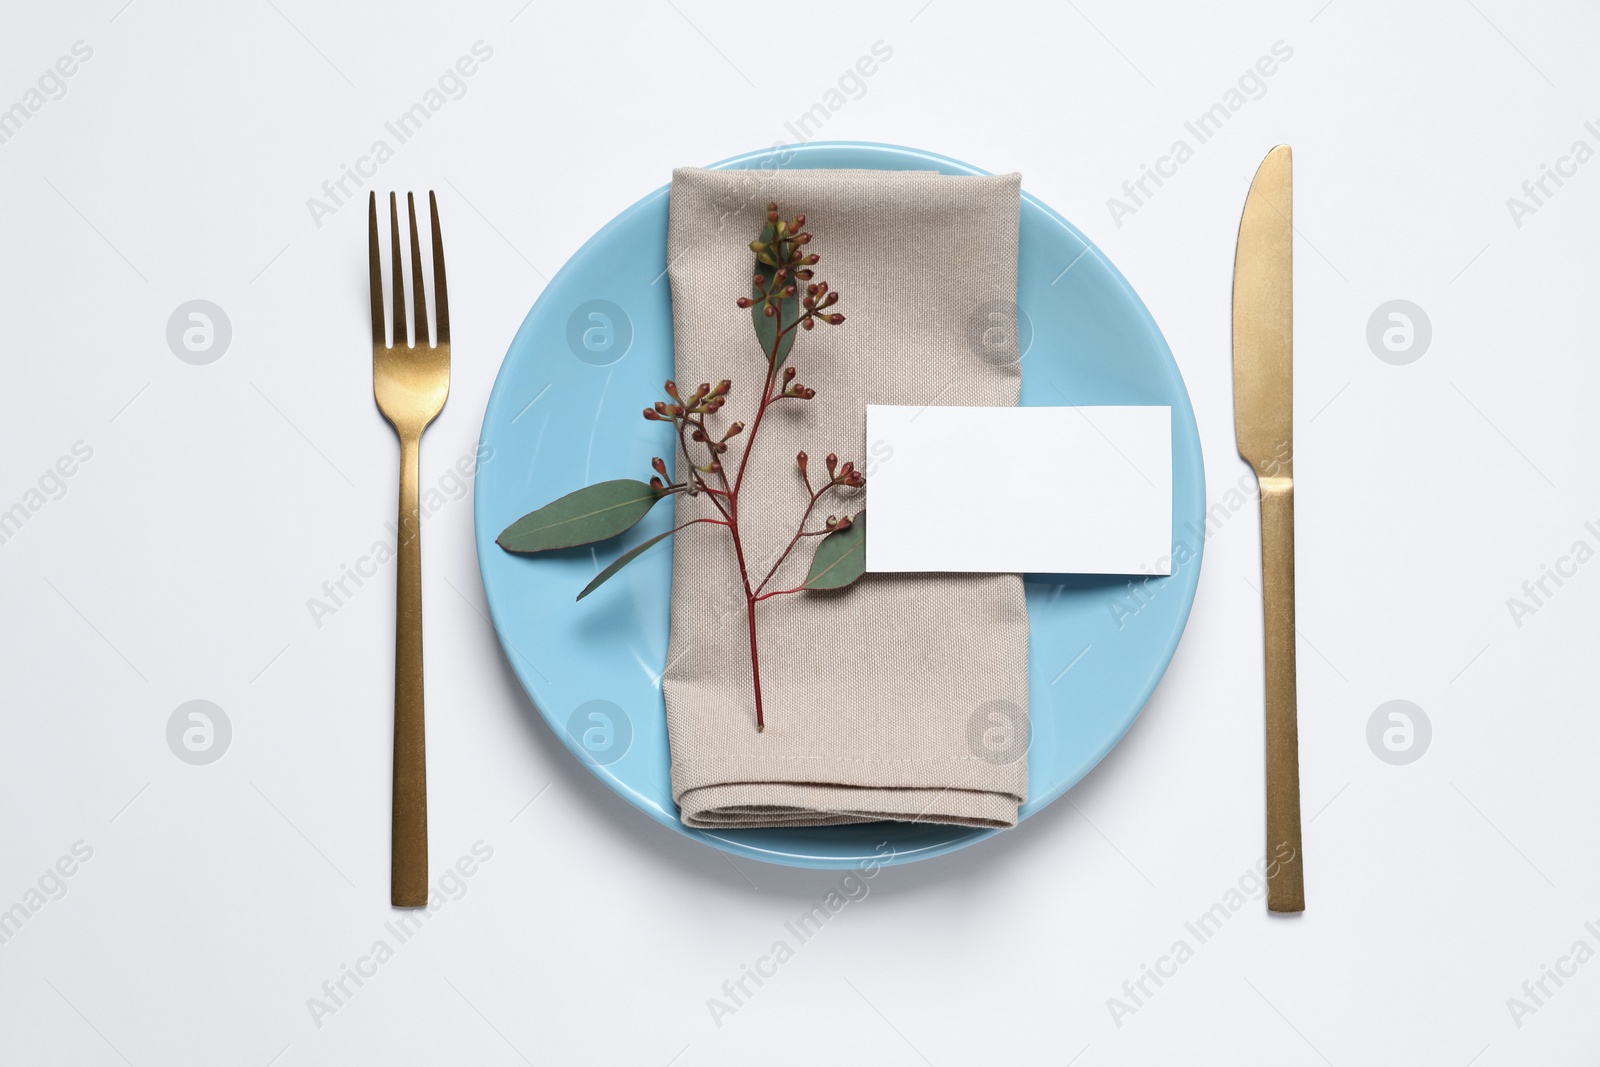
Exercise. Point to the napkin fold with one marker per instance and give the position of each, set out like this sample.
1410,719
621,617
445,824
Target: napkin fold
905,696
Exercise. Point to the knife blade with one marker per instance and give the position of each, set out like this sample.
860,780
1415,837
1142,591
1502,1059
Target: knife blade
1263,409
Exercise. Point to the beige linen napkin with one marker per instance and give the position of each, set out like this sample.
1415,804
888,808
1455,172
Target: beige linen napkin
905,696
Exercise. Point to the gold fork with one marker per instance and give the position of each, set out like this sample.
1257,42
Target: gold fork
410,382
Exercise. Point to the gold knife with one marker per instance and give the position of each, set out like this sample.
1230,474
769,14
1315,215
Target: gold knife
1263,413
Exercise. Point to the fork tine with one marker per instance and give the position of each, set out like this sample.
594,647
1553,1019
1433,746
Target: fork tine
375,271
441,301
395,271
418,303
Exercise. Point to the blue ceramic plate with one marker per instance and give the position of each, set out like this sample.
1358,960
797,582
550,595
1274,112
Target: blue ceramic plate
565,412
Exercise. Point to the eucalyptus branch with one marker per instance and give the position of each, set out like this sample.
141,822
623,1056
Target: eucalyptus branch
779,313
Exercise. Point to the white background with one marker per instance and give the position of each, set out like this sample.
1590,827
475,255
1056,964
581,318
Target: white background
219,498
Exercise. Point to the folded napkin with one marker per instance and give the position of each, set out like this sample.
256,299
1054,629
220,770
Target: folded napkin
904,696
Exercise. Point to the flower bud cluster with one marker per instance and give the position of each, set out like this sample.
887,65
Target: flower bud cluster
783,262
844,474
706,400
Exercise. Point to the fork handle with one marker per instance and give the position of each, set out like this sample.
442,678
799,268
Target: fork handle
1285,874
408,878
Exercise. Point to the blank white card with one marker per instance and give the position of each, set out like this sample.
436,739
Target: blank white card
1055,490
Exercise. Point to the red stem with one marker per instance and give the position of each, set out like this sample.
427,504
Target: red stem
755,655
733,505
798,533
766,402
730,493
780,592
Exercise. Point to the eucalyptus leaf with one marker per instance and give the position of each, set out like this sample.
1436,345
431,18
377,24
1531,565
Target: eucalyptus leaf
788,309
593,513
841,557
623,560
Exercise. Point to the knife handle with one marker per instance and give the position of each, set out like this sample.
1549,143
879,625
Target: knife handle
1285,875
